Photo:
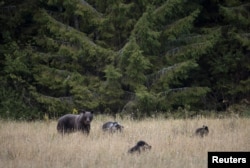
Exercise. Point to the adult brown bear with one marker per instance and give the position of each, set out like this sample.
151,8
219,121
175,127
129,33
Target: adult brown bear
72,123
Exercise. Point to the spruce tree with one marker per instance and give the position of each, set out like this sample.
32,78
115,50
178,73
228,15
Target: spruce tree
60,55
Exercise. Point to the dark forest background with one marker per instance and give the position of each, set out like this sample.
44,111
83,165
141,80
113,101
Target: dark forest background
141,57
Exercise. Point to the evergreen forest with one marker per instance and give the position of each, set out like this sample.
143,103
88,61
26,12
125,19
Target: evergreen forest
139,58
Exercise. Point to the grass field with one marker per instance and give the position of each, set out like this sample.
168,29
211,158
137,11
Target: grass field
37,144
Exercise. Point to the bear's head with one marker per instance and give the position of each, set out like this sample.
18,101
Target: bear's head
86,116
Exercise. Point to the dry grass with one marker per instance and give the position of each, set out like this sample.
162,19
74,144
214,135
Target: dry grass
38,144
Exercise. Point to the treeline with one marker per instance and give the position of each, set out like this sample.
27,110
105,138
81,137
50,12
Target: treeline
119,56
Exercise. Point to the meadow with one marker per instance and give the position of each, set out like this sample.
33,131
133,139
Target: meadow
37,144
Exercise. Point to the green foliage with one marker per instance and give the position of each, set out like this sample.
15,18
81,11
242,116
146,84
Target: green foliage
183,97
237,14
111,91
144,33
147,103
133,64
12,106
141,57
172,76
181,26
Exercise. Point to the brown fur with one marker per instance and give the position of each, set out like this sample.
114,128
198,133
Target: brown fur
202,131
139,147
72,123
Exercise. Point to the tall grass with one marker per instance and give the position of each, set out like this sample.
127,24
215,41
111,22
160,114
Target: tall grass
37,144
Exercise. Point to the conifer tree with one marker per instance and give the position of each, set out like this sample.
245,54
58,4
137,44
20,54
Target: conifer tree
60,55
228,60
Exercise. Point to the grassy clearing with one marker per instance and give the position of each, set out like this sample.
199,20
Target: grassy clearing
37,144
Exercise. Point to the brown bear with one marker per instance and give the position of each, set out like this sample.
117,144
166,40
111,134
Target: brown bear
202,131
139,147
72,123
112,127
